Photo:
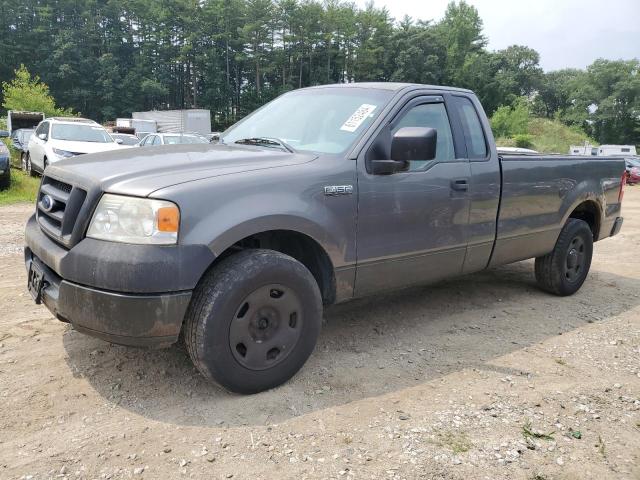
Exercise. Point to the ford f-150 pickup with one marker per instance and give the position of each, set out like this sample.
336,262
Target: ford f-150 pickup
322,195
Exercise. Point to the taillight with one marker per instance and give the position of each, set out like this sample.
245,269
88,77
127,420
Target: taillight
623,182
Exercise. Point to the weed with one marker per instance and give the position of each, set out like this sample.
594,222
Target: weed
528,432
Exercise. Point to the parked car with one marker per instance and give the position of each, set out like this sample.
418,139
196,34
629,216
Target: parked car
125,139
57,138
323,195
154,139
5,163
633,169
20,140
213,137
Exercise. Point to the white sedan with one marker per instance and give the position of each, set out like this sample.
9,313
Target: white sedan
171,139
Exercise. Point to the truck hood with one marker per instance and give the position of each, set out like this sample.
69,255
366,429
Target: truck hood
141,171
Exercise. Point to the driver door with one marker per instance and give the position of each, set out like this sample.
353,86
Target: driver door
412,225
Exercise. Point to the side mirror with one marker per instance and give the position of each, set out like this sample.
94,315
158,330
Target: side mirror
42,136
414,143
4,133
119,141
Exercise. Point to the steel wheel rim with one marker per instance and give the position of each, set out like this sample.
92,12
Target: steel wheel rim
266,327
575,259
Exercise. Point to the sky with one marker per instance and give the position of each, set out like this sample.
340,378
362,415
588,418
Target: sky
566,33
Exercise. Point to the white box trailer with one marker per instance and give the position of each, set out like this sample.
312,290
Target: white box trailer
17,120
178,121
604,150
583,150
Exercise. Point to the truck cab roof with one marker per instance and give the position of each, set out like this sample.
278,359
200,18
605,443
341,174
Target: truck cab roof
394,86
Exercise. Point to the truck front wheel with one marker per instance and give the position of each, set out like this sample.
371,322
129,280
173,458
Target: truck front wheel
564,270
253,320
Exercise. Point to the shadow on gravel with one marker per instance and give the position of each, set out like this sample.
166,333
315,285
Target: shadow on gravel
368,347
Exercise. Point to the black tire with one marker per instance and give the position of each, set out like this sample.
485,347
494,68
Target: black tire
265,304
29,167
5,180
564,270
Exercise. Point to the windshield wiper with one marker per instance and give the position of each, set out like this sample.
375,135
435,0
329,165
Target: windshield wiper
266,142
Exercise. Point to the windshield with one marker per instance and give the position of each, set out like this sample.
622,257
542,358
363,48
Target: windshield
325,120
80,133
25,135
126,139
179,139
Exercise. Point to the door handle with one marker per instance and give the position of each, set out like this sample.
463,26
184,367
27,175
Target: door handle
460,184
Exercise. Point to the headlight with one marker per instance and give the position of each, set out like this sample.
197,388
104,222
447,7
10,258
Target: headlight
63,153
135,220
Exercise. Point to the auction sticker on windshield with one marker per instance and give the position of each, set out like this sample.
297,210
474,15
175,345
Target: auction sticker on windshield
359,116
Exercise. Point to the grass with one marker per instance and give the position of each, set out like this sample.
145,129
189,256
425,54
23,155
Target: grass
528,432
23,189
456,442
550,136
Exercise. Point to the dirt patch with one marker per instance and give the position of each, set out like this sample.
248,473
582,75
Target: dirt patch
483,376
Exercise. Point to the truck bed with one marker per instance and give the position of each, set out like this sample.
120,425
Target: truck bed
539,192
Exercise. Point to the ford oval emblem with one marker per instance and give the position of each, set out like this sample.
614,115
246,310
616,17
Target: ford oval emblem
47,203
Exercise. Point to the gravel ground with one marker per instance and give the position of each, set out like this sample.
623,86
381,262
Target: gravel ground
480,377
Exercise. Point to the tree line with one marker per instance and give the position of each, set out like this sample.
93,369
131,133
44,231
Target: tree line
108,58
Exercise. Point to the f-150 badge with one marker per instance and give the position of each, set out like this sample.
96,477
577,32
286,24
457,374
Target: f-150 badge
333,190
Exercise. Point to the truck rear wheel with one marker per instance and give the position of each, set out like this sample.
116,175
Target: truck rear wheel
564,270
253,321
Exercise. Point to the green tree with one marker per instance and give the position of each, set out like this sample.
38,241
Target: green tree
614,87
28,93
461,31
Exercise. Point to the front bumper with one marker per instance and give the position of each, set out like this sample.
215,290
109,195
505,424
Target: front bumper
117,296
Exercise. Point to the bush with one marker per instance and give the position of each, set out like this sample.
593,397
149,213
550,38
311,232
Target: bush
523,140
508,121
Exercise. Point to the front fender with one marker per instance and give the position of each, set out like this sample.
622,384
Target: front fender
221,211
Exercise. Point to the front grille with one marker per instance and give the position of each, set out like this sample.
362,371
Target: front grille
59,204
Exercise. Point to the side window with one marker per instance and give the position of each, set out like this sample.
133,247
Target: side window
432,115
156,140
472,128
43,128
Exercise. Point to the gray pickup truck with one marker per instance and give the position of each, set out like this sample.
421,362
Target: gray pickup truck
324,194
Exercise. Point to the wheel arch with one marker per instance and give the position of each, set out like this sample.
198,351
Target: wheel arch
590,212
296,243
